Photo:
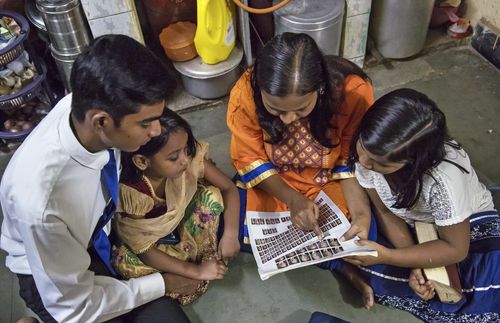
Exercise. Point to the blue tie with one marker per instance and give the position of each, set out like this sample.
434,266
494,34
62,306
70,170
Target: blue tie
101,241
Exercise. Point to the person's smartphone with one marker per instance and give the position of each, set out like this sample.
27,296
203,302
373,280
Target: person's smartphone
171,238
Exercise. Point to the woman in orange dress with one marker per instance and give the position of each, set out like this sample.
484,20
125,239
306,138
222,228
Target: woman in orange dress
292,116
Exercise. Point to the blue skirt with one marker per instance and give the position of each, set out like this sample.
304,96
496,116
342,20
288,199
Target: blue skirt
479,275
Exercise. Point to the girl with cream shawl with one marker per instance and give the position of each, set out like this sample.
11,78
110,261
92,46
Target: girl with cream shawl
162,196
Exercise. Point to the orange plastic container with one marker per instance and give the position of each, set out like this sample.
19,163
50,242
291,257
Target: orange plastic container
177,41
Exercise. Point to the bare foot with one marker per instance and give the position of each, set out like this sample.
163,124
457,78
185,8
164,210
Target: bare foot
27,319
354,276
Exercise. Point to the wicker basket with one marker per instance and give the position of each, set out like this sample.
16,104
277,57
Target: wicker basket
14,49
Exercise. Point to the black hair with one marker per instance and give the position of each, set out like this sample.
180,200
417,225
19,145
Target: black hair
170,122
117,74
405,126
293,64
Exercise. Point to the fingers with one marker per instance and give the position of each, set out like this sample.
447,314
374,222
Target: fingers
426,294
318,232
419,276
221,270
306,220
228,248
424,289
348,235
352,260
315,212
220,253
363,242
298,221
218,269
314,220
305,217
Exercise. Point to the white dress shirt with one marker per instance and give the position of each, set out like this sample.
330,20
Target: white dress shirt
52,198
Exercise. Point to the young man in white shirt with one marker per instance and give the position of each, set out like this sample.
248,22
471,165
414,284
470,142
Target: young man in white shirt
52,193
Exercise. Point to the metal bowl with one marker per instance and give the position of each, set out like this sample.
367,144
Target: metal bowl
210,81
34,15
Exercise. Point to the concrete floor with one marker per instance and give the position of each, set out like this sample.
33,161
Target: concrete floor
463,84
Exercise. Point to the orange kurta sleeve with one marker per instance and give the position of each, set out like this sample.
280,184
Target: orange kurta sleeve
358,97
247,143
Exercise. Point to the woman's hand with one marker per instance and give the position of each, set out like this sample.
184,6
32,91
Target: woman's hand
229,246
381,258
422,287
304,214
211,270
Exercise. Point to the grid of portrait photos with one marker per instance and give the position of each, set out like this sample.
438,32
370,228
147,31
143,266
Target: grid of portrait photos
279,246
270,244
325,248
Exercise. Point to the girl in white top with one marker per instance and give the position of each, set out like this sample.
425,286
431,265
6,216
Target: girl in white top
413,171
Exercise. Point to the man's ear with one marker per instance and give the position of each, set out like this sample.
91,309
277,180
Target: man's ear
100,119
140,161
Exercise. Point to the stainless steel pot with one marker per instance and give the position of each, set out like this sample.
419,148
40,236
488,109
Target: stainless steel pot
399,27
66,23
64,62
34,15
68,31
210,81
320,19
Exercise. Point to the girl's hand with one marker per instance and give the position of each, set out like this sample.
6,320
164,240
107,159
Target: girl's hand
304,214
211,270
229,246
422,287
383,254
360,226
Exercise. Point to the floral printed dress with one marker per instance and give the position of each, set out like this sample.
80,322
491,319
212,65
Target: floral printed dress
190,208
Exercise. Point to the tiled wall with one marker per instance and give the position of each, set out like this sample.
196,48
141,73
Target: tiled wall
113,17
355,33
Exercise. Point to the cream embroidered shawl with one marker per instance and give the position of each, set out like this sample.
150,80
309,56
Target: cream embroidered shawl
140,233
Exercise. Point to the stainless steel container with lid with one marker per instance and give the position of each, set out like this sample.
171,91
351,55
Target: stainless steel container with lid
64,62
320,19
34,15
66,24
210,81
399,27
68,31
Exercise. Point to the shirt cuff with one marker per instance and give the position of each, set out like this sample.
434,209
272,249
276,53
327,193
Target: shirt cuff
151,287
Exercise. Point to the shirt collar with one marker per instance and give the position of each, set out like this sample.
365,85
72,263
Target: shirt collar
77,152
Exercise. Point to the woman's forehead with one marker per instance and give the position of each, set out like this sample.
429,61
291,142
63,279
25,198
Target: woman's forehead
289,102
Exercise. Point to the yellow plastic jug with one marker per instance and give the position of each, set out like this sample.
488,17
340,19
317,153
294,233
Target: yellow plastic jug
215,31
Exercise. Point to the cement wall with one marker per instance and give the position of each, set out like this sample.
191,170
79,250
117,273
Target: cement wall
487,9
